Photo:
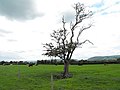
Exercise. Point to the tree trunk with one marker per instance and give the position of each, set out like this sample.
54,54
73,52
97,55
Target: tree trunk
66,69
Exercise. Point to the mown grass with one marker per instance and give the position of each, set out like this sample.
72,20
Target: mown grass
86,77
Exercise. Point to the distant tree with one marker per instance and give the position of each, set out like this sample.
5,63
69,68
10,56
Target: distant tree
20,63
11,62
118,60
65,41
2,62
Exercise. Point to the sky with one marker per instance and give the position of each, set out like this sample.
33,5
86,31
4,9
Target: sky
25,25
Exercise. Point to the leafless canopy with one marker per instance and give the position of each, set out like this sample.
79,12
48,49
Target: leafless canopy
64,44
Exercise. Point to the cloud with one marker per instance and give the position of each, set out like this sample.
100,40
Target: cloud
1,35
4,32
112,12
20,51
25,38
116,48
12,40
9,56
105,8
69,16
98,4
18,9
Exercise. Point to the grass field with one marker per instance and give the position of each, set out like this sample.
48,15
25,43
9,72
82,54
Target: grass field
86,77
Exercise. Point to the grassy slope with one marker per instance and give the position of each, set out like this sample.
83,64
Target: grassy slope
86,77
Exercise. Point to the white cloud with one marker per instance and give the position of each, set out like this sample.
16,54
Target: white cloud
25,38
18,9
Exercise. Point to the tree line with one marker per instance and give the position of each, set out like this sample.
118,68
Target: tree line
60,62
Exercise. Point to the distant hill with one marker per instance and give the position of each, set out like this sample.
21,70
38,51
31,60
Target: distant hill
96,58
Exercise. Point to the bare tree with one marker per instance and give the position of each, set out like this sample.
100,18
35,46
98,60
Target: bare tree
65,41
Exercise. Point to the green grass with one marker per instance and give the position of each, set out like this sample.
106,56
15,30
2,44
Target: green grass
86,77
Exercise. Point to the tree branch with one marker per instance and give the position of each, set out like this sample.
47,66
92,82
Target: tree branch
85,42
81,30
